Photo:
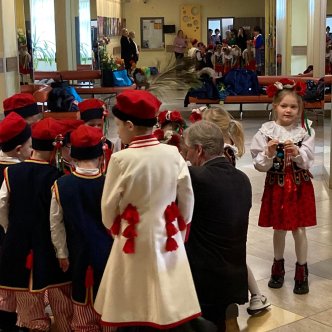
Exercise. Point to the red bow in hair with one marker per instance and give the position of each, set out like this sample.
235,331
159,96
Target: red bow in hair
299,87
170,116
196,114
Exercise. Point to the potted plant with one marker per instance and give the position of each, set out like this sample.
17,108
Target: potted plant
107,63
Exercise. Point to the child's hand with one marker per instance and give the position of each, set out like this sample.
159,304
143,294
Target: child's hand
64,264
272,148
291,148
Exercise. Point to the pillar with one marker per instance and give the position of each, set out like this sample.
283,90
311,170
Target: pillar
9,79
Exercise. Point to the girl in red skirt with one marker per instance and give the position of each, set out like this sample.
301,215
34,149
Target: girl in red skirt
285,150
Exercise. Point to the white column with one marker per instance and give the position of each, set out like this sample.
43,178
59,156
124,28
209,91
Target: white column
316,35
9,80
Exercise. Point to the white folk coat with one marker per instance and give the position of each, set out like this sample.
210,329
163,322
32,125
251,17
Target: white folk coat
150,286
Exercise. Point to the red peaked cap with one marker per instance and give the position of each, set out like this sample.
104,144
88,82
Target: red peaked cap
14,131
45,132
86,143
91,109
23,104
138,106
68,125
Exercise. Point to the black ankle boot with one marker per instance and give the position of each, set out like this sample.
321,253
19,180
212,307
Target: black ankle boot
301,279
277,274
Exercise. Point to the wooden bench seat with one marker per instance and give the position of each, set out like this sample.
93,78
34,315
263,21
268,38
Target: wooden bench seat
261,99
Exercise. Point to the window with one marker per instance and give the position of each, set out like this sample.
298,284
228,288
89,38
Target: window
43,35
222,23
85,32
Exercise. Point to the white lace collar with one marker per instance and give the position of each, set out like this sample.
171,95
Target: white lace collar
294,133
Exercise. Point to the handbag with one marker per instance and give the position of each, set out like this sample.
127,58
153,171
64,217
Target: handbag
121,78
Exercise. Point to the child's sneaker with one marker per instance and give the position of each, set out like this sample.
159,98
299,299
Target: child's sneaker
257,304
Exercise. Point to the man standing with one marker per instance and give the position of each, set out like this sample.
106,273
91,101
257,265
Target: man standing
216,247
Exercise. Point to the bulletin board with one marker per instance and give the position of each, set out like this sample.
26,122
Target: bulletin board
152,37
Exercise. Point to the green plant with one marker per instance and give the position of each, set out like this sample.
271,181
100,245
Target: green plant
106,60
85,55
43,50
21,37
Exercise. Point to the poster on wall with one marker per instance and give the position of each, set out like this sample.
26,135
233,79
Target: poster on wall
100,24
152,36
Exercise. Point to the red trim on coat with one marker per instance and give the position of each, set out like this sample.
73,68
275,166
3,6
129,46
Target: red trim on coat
143,141
150,324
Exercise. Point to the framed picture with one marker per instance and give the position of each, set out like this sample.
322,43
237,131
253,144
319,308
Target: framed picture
152,37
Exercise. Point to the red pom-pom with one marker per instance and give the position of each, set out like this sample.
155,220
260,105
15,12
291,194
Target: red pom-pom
171,244
175,116
29,260
162,117
130,231
159,134
194,117
129,247
175,209
182,224
287,81
271,90
300,88
171,229
131,214
115,229
169,214
89,279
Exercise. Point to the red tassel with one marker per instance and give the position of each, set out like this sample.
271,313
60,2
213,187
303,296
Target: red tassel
115,229
175,209
89,280
171,229
129,247
29,260
131,214
182,224
171,244
169,214
129,232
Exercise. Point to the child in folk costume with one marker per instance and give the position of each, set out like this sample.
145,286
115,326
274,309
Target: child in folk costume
28,265
94,113
236,52
228,60
147,280
77,231
15,141
233,135
23,104
249,56
171,126
285,150
218,60
64,161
